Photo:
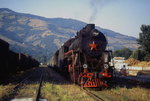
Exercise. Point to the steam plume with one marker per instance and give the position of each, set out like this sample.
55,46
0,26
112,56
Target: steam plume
96,7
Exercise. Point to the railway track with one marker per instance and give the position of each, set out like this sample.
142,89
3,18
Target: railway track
139,79
129,81
44,76
37,95
22,84
15,90
97,98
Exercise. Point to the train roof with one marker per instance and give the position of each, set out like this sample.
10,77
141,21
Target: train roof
4,43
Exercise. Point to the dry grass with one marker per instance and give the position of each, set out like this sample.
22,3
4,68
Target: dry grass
70,92
28,90
5,89
63,92
136,94
125,94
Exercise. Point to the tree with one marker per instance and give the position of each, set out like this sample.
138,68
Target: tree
125,52
144,41
138,55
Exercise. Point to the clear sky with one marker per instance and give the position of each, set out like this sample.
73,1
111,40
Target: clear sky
124,16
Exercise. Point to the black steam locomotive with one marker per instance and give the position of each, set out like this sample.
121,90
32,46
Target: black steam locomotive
85,58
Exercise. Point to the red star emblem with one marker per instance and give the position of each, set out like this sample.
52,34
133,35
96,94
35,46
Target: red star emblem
93,46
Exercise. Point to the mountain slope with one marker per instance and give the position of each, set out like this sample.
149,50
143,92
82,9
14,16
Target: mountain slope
41,37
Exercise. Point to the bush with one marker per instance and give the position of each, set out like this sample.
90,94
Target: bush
147,57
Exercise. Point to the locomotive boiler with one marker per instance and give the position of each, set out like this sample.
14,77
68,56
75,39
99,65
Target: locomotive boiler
85,58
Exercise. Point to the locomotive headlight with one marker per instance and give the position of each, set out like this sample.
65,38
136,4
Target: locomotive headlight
85,66
106,66
95,33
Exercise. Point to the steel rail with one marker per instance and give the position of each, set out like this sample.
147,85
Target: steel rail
97,98
39,88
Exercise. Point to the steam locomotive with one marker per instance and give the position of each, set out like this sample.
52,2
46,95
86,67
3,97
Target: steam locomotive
85,58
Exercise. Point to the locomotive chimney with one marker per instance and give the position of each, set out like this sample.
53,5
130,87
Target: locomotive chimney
89,27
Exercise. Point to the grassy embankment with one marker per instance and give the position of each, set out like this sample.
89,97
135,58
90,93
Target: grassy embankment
125,94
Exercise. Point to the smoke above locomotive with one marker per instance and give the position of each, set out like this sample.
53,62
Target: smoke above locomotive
89,40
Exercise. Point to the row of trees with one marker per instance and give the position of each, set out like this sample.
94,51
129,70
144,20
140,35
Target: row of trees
143,52
122,53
